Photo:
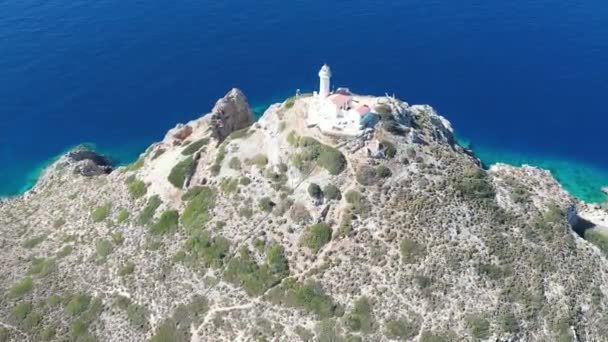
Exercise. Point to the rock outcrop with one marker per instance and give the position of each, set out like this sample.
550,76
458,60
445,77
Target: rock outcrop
89,163
230,113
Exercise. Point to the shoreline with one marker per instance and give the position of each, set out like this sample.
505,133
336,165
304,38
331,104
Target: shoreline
583,181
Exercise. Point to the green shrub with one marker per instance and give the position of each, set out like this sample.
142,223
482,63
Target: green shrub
244,271
65,251
597,238
293,138
78,329
508,323
101,213
103,248
383,171
229,185
331,160
137,316
219,158
127,268
315,191
411,251
195,146
246,212
316,236
33,242
474,184
266,204
401,329
196,214
361,317
290,102
181,171
389,149
78,304
146,215
47,334
21,310
167,223
332,192
123,215
211,251
137,188
117,238
191,193
235,163
311,298
358,202
42,266
259,160
21,288
478,326
245,181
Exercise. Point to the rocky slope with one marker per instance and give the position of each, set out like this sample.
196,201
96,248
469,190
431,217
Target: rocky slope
229,230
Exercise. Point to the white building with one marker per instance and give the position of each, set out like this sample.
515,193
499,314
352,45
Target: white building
338,112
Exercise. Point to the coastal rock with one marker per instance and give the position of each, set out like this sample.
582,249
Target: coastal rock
605,190
230,113
89,163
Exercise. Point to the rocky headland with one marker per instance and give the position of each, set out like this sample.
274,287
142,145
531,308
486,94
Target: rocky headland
235,230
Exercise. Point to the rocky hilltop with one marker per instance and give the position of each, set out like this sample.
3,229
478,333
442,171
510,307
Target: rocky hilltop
235,230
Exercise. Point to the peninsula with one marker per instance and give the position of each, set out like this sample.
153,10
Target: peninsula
334,217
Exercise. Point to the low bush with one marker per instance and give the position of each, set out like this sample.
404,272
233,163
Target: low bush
332,192
196,214
181,171
315,191
234,163
229,185
266,204
103,248
478,326
246,212
331,160
33,242
316,236
21,310
146,215
78,304
310,297
195,146
598,239
260,160
21,288
123,215
401,329
358,203
289,102
41,266
101,213
244,271
411,251
293,138
167,223
383,171
474,184
137,188
207,249
361,317
389,149
126,269
245,181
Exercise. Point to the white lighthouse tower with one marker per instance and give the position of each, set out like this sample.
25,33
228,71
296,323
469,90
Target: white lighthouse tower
324,76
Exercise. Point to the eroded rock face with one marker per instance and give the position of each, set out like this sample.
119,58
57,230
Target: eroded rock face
89,163
230,113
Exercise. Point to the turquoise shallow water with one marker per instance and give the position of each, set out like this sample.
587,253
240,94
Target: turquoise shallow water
578,178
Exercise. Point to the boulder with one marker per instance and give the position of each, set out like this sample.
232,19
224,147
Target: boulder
230,113
89,163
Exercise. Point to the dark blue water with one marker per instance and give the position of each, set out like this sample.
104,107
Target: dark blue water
524,77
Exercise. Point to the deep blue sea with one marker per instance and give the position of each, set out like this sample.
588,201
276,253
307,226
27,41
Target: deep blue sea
521,80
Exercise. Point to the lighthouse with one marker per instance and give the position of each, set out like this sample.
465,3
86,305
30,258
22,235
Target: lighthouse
324,76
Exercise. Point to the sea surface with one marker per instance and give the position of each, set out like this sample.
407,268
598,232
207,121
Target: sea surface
524,81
